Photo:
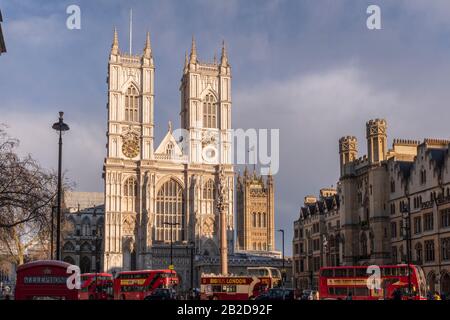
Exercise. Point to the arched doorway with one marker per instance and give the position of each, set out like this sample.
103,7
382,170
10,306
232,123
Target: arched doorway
445,284
85,264
129,254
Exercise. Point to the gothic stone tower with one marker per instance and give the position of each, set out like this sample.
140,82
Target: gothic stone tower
155,196
255,213
130,141
363,192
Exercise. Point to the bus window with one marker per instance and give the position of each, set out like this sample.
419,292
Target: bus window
327,273
340,272
361,272
340,291
351,272
217,288
361,291
229,288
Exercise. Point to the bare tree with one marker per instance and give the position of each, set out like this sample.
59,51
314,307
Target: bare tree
27,193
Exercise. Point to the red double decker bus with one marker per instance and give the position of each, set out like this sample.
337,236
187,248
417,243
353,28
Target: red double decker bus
96,286
136,285
44,280
257,281
341,282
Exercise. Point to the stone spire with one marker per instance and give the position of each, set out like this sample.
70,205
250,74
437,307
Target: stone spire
224,57
115,44
148,47
193,58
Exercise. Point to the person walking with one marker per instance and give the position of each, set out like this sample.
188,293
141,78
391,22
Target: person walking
397,294
437,296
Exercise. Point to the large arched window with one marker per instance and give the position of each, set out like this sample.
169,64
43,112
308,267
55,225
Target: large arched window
86,227
132,105
254,219
169,210
208,196
68,246
209,112
130,193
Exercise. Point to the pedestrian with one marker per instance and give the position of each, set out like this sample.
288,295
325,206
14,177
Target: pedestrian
437,296
397,294
349,296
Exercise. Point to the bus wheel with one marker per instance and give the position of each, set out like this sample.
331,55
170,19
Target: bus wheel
91,297
123,297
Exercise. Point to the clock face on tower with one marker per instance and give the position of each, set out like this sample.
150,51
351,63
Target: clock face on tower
130,145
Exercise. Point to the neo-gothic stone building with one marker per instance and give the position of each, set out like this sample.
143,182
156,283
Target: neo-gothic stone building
157,195
82,230
374,192
255,224
317,237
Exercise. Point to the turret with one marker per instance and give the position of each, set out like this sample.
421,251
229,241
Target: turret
148,48
348,151
193,56
115,44
376,140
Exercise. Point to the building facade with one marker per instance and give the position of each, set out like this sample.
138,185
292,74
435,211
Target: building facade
82,230
158,196
389,196
317,238
255,218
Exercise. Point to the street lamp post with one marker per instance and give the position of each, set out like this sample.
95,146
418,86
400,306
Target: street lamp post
59,126
191,248
52,234
283,275
171,224
407,233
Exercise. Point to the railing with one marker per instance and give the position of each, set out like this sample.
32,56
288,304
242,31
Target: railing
168,157
127,59
427,204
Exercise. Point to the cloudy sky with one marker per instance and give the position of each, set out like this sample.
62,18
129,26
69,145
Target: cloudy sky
308,67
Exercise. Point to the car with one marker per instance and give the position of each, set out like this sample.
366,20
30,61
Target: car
277,294
310,295
162,294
